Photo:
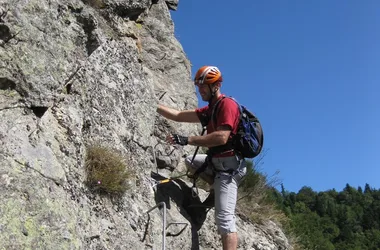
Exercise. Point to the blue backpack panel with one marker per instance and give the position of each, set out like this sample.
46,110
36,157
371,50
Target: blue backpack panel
249,139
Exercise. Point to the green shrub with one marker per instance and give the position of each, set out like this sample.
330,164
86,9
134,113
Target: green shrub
106,170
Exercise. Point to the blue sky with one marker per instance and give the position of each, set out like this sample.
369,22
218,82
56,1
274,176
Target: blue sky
310,70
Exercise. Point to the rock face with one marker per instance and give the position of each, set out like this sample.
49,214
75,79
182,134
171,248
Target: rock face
78,73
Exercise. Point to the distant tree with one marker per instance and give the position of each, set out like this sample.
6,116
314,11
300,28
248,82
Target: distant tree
325,205
307,225
332,192
373,239
284,193
307,196
367,189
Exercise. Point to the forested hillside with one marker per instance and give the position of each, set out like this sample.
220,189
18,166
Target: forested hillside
345,220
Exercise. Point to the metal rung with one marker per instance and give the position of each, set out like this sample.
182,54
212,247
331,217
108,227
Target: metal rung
164,226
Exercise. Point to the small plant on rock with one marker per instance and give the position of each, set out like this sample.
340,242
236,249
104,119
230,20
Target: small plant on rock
106,170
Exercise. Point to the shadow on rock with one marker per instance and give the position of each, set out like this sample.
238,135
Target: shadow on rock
177,191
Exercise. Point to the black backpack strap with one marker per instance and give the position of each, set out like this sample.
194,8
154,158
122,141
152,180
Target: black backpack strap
204,119
213,116
201,169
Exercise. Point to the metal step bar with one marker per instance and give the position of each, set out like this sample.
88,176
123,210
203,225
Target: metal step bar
164,226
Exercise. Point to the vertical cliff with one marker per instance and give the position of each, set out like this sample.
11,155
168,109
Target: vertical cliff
80,73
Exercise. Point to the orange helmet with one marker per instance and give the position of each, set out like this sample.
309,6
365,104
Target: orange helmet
207,75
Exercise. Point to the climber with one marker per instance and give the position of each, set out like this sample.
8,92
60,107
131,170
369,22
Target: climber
225,168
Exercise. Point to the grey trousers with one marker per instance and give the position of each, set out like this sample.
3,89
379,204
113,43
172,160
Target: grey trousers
225,186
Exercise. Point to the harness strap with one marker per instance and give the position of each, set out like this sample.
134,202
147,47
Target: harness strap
194,189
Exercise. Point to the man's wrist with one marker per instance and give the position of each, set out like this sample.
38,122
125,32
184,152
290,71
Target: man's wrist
190,141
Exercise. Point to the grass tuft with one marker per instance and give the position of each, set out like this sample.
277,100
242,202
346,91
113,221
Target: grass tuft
254,196
106,170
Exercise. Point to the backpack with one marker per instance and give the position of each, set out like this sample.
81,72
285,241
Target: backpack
249,138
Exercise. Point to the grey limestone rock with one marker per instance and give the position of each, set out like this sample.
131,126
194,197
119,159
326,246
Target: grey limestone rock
78,73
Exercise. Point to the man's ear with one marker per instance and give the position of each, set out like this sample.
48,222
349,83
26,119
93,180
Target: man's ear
217,85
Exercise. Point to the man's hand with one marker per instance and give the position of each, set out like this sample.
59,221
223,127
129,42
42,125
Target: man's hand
178,139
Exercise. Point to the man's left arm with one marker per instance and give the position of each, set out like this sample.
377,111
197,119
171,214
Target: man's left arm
216,138
225,122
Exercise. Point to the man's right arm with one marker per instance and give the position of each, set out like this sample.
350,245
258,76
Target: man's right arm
178,116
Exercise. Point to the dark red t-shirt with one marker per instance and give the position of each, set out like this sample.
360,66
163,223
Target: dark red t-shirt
227,113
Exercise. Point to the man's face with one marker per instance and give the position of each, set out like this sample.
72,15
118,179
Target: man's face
204,91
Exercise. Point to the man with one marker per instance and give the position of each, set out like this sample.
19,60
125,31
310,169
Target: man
225,167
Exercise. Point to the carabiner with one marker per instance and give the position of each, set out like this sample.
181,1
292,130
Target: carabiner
194,191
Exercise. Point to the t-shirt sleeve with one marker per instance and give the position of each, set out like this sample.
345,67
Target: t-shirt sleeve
227,114
201,111
202,114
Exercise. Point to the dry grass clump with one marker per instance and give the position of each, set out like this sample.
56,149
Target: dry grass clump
106,170
254,197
